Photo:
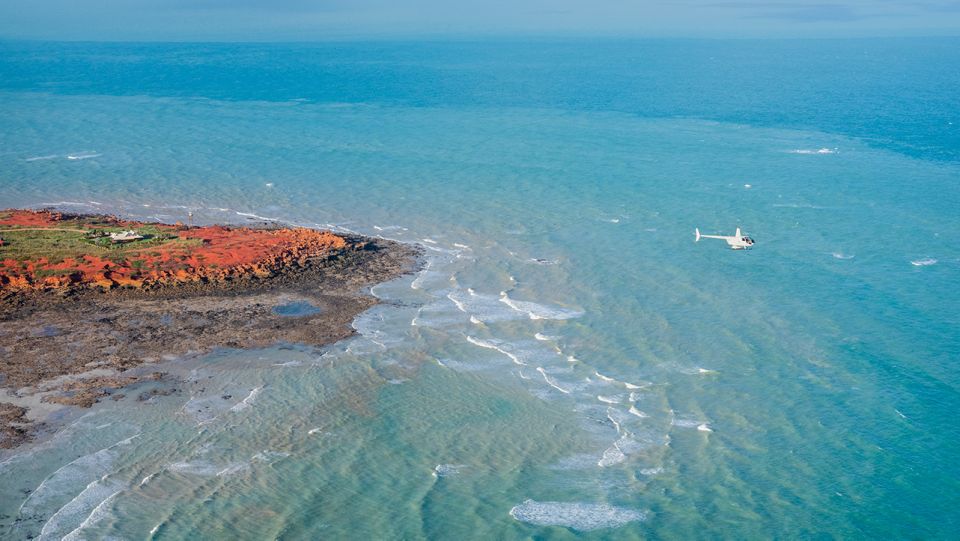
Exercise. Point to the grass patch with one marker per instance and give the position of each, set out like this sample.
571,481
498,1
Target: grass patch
54,245
26,244
44,273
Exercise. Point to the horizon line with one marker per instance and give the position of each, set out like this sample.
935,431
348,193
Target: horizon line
411,38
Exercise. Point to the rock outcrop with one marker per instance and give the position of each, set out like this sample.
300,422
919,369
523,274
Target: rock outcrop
173,254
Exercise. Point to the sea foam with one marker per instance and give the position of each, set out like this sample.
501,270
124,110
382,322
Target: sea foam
83,155
98,514
73,512
612,456
550,381
446,470
246,402
490,345
634,411
814,151
538,311
579,516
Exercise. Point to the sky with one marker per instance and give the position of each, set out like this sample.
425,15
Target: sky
321,20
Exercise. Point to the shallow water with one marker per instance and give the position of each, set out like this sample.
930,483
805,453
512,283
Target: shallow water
296,309
568,363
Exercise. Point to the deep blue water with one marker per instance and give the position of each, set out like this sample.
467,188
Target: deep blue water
569,363
895,93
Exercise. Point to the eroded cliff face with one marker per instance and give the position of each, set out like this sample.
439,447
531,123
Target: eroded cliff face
81,317
167,255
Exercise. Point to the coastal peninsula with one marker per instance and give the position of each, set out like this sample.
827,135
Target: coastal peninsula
84,299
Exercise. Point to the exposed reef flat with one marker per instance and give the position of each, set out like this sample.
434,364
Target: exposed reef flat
79,310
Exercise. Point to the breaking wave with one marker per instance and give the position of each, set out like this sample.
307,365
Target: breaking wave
490,345
550,381
575,515
246,402
446,470
83,155
814,151
538,311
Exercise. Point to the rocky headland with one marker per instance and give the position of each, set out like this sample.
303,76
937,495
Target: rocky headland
86,299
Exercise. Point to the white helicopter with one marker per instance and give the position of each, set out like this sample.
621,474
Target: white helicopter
738,241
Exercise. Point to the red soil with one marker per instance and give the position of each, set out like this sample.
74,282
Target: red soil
224,253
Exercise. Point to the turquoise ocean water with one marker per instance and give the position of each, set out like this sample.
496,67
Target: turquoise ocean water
568,363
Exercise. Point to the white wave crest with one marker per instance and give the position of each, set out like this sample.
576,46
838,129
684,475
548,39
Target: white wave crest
457,302
246,402
71,514
814,151
417,282
288,363
691,423
490,345
604,378
575,515
538,311
255,216
98,514
612,456
72,474
926,262
83,155
550,381
633,410
445,470
483,308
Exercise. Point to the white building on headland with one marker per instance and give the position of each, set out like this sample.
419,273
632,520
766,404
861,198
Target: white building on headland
125,236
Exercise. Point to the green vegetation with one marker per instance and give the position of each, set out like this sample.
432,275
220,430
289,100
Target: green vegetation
44,273
73,239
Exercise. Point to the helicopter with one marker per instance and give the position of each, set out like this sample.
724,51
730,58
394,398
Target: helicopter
737,241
